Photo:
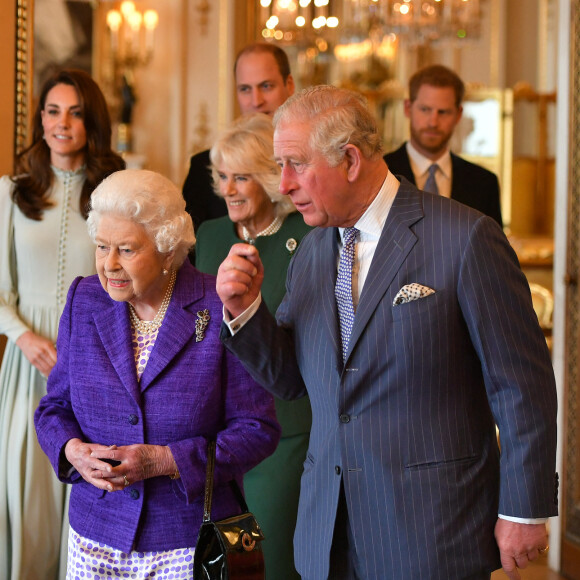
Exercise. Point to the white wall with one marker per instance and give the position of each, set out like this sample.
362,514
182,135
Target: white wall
190,71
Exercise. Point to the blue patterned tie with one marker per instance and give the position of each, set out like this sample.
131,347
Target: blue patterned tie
431,184
343,288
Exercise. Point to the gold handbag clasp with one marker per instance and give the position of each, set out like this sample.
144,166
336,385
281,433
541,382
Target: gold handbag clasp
247,542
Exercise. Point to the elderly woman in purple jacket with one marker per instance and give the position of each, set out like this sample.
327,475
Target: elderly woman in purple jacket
141,384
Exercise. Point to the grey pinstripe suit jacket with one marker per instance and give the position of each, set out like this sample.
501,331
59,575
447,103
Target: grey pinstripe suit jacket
408,422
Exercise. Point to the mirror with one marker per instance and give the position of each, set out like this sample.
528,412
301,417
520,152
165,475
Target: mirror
63,37
51,34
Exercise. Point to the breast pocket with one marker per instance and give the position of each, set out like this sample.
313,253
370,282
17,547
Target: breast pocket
419,307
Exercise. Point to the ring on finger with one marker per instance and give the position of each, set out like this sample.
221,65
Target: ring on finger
126,480
542,551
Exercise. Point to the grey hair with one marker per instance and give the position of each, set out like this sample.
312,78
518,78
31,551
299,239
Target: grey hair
150,200
247,147
336,117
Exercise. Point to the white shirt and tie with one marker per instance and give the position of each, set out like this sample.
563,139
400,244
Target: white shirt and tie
421,166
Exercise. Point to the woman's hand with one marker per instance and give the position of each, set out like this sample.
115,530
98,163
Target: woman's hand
38,350
114,468
140,462
84,457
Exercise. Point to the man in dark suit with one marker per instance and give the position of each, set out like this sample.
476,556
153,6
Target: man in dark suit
434,109
263,83
424,340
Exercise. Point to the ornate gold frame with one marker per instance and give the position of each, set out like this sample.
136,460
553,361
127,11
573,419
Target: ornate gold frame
24,51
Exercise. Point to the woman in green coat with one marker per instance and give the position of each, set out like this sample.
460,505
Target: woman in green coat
246,176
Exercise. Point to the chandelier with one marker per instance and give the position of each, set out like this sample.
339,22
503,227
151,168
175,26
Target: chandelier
416,21
131,34
131,44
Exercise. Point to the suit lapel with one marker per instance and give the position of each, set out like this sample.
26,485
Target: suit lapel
326,266
118,345
394,245
178,326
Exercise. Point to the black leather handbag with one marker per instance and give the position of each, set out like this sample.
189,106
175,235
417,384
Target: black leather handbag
229,549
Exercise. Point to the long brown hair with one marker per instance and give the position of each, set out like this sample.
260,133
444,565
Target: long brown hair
34,176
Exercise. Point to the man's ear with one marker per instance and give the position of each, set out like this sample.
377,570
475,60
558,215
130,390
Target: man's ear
290,86
353,158
407,107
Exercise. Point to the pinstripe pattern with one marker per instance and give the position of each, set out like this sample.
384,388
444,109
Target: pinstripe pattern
409,419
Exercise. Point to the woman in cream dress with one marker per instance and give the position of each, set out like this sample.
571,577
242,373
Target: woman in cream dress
44,245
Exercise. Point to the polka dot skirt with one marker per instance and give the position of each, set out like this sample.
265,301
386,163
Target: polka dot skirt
95,561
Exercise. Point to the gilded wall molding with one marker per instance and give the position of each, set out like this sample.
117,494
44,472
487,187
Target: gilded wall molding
201,131
24,48
203,8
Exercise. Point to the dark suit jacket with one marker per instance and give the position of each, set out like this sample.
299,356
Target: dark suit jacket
471,184
201,201
408,423
190,391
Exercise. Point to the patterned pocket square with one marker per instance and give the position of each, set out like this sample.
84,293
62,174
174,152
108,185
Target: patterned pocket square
411,292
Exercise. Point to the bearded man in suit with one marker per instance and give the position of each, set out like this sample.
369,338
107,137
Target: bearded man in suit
434,109
410,324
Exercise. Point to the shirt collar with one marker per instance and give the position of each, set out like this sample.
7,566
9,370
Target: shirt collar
420,164
371,223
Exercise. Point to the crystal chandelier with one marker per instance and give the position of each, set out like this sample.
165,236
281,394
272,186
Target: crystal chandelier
291,20
416,21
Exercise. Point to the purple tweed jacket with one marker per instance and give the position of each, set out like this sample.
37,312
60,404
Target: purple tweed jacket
190,392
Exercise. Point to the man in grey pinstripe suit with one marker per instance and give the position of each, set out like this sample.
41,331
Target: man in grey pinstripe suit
403,477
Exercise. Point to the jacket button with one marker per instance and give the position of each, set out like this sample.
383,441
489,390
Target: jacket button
134,494
344,418
133,419
337,469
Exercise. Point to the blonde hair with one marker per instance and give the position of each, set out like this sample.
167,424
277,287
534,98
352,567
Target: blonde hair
151,200
336,117
247,148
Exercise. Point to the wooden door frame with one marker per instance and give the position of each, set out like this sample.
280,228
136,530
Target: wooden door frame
8,12
570,488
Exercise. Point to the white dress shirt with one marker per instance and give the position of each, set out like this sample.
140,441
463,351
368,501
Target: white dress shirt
420,167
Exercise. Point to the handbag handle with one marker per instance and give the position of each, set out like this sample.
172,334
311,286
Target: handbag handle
208,496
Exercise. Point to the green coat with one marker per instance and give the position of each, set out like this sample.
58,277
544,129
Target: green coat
272,488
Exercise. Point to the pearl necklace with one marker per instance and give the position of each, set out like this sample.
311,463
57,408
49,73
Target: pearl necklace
271,229
150,326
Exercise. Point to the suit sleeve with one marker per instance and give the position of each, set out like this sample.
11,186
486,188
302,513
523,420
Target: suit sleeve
10,322
201,202
494,203
265,346
249,435
496,303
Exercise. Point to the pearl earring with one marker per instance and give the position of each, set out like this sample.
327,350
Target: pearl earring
165,272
